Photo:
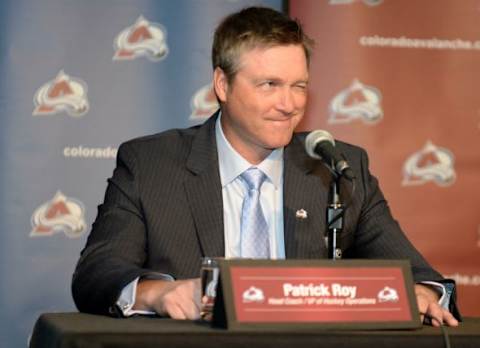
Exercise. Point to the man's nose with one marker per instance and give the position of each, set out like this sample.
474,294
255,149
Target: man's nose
286,102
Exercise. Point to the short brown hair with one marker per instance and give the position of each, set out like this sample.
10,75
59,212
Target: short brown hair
254,27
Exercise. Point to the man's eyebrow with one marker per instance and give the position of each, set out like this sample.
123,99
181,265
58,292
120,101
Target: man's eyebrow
302,80
267,78
277,79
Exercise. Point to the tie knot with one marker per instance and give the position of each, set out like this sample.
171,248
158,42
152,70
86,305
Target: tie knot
254,178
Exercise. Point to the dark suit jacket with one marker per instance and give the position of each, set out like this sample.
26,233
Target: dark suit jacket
163,211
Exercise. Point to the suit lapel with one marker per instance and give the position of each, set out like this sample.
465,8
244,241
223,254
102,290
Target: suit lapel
204,191
305,187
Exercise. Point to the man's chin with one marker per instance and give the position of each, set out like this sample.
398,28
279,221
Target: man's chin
279,142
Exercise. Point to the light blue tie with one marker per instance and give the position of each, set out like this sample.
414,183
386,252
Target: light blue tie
254,228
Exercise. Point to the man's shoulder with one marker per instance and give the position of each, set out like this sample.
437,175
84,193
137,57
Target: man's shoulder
174,139
166,148
169,137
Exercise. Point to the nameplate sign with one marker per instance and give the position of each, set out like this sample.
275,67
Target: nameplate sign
345,294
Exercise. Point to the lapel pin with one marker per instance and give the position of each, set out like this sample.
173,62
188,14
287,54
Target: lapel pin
301,214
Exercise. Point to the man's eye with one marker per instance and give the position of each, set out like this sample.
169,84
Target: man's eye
269,84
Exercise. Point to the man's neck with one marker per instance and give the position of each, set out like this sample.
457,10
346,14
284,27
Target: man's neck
253,154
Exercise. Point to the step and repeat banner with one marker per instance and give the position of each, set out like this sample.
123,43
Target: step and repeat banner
77,79
402,79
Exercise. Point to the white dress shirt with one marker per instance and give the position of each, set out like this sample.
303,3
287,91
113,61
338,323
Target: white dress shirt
231,166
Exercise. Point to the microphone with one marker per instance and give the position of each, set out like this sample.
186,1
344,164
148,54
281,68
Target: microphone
320,144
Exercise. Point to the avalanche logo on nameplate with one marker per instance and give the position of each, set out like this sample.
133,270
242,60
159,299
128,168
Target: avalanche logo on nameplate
63,93
358,101
344,2
388,295
431,163
204,103
60,214
253,294
143,39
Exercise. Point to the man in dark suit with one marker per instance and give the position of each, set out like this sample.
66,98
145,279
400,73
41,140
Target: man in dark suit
178,196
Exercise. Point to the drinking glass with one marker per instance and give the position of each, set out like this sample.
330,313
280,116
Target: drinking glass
209,277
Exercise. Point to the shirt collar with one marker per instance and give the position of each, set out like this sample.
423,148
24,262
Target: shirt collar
232,164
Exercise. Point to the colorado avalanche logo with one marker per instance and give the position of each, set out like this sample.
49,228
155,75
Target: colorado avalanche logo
432,163
356,102
63,93
204,103
143,39
61,214
388,295
253,294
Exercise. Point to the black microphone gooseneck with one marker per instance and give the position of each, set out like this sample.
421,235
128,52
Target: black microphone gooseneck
320,144
335,212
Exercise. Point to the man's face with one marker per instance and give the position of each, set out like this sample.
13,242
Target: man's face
265,101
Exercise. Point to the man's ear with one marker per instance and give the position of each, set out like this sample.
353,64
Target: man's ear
220,84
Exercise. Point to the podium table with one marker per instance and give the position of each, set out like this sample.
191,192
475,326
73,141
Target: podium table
68,330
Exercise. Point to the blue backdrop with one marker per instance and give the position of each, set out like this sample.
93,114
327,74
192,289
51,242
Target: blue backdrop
77,79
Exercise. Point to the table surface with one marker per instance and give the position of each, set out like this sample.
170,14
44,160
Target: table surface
67,330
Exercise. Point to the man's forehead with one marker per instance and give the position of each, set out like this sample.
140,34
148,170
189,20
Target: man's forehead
280,59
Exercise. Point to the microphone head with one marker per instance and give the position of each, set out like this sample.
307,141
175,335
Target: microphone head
314,138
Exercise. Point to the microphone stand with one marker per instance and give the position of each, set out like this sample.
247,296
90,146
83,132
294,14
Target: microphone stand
335,211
